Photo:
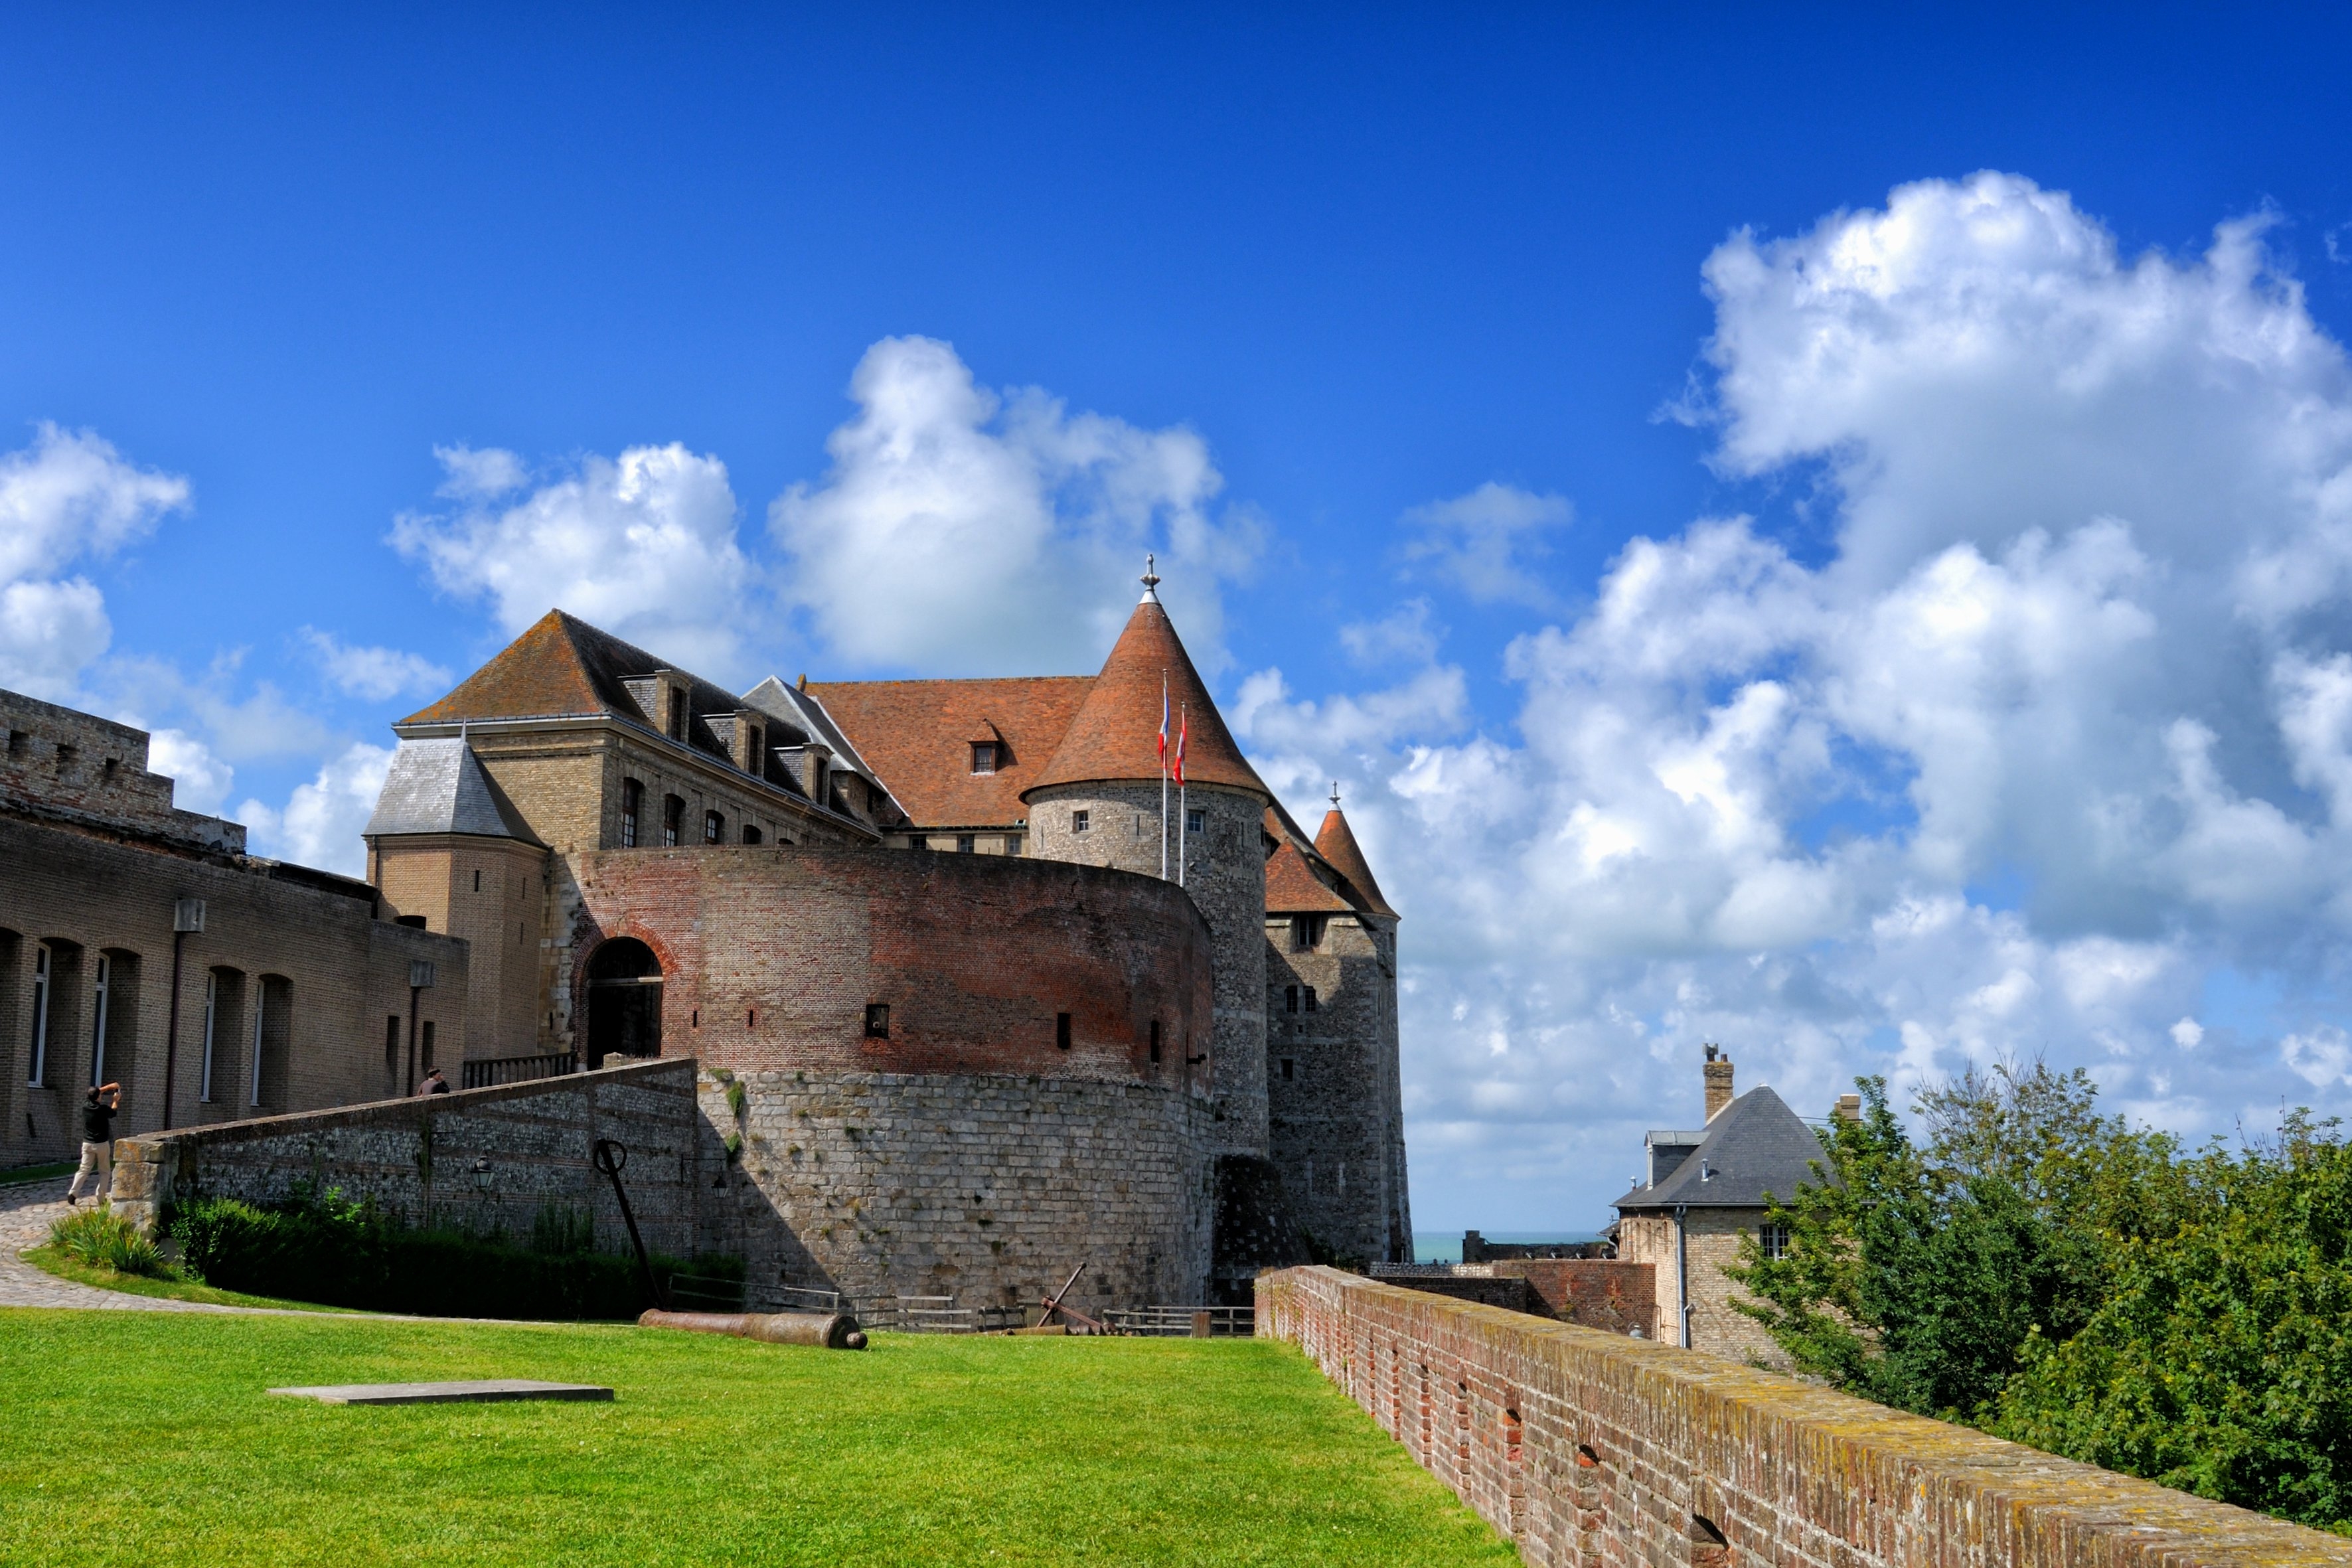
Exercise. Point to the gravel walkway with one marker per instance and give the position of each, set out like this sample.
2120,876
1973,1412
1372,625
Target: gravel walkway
26,1212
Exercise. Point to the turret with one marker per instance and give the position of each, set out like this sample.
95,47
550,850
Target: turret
1100,802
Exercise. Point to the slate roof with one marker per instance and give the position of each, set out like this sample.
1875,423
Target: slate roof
438,786
802,712
1115,734
916,736
1755,1145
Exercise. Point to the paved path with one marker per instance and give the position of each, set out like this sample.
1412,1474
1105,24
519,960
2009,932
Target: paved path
26,1212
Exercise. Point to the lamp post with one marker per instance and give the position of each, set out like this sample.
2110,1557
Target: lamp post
187,915
420,980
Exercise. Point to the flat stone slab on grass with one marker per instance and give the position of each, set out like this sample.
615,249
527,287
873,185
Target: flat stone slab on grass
487,1392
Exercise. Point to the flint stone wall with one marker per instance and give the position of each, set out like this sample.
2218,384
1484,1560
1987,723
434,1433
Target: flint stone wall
1595,1449
989,1188
416,1157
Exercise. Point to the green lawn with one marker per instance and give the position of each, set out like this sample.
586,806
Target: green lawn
146,1438
50,1261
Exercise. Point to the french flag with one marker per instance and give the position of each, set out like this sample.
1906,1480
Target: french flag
1184,727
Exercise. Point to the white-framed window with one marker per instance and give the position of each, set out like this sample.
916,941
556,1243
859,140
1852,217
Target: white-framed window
37,1071
1772,1238
1078,822
260,1006
98,1021
212,1019
1196,821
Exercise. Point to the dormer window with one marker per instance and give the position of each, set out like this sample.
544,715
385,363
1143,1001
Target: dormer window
983,756
677,713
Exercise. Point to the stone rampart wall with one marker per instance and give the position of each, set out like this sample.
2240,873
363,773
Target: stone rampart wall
418,1157
1595,1449
987,1188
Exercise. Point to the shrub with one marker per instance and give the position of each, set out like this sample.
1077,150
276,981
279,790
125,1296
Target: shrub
104,1239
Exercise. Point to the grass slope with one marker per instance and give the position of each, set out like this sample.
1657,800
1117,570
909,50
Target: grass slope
50,1261
134,1438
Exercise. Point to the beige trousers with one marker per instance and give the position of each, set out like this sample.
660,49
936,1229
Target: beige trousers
97,1161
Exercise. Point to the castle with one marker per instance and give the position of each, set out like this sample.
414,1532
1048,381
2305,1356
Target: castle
971,1008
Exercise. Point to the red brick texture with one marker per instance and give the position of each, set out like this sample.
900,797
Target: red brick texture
770,957
1594,1450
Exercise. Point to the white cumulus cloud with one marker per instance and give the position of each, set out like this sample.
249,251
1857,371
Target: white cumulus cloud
643,544
1489,543
378,674
320,822
958,525
69,499
2058,732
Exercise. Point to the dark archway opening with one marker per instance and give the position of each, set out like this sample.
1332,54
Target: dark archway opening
624,992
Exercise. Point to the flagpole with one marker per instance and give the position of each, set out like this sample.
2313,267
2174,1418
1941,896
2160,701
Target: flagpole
1183,817
1163,776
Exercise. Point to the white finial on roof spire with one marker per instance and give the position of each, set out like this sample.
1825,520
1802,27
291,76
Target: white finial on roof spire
1150,580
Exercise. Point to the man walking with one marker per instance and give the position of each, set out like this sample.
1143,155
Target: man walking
97,1143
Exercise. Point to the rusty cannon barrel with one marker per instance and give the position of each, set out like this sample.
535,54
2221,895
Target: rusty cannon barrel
834,1331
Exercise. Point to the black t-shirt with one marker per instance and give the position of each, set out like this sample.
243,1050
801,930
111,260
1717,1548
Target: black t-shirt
98,1124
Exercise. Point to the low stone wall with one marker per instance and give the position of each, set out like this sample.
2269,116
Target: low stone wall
1595,1449
485,1159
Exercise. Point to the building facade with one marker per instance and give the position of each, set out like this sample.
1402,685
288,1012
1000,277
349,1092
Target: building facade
141,945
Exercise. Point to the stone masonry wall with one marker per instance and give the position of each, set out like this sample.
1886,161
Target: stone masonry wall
1713,1238
418,1156
1596,1450
988,1188
1331,1088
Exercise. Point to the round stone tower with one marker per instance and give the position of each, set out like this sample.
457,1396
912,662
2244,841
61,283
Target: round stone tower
1098,802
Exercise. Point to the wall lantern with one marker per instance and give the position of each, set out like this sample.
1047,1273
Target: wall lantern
481,1172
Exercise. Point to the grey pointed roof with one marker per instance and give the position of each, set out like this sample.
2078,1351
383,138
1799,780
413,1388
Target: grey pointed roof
805,713
1755,1145
438,786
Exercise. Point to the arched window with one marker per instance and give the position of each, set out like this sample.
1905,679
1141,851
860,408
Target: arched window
98,1019
56,975
751,834
224,1006
673,820
114,1019
633,800
714,828
273,1041
624,980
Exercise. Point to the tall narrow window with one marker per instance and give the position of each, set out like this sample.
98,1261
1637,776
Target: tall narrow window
37,1068
678,712
260,1017
424,1047
673,820
1290,998
633,797
1289,1068
1062,1030
273,1041
714,829
98,1021
477,881
1155,1039
1310,998
211,1024
392,1049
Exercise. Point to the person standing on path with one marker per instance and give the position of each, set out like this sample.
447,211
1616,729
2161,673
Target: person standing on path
97,1143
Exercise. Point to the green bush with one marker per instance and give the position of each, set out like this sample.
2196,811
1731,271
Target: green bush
104,1239
322,1247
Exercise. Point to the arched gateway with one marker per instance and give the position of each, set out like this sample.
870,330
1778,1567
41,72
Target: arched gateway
624,996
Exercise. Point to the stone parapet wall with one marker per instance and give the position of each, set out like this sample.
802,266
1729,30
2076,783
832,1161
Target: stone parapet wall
1595,1449
987,1188
418,1157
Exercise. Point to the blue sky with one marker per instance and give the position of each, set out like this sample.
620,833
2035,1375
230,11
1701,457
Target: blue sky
1292,292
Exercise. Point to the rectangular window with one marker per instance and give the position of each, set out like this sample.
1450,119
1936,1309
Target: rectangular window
714,829
633,797
1310,998
673,820
677,713
1155,1039
751,834
1307,932
392,1049
98,1022
1772,1239
1077,821
425,1050
877,1020
983,756
1012,843
1196,822
212,1020
1289,1069
37,1070
966,844
1062,1030
477,881
1290,998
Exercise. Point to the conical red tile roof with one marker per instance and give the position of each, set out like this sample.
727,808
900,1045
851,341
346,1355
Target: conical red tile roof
1293,889
1114,735
1337,844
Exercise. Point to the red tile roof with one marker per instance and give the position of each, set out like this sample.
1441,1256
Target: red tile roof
1293,889
1337,844
561,665
916,736
1114,735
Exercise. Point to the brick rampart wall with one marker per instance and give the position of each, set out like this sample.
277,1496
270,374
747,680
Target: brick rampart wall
1606,1452
1597,1292
417,1156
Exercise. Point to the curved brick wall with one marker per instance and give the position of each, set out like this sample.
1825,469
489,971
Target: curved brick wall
770,955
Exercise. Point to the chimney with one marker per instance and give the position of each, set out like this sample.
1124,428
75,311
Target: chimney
1717,1073
1849,1108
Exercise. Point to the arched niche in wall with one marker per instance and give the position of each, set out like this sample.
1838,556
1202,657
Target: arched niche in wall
624,994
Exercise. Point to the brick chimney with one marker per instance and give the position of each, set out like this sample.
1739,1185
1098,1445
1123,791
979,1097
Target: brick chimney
1717,1072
